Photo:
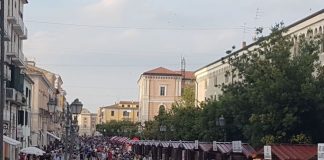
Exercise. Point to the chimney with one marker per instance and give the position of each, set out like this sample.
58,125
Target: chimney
243,44
32,63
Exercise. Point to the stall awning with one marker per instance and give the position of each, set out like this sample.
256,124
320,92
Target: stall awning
51,134
11,141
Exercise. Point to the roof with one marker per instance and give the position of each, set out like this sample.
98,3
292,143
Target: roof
128,102
162,71
84,110
226,147
257,42
188,74
306,18
292,152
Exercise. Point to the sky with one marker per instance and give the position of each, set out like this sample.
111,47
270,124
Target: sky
101,47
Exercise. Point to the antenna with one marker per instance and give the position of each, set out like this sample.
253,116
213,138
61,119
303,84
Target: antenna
183,67
244,31
258,15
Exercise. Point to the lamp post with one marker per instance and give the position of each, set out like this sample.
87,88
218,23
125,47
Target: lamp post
52,109
221,122
163,130
71,126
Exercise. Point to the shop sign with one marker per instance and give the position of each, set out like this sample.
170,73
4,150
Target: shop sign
267,152
237,146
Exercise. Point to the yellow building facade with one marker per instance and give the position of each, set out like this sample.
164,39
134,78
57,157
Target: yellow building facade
87,123
121,111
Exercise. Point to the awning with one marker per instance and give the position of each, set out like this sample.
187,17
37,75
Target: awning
11,141
49,133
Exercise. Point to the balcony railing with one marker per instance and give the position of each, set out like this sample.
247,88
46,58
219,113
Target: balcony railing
19,60
12,19
25,34
19,26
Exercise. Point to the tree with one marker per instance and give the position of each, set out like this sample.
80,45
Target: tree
188,96
118,128
278,96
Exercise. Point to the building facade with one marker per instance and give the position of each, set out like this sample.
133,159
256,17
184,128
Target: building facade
121,111
45,126
87,123
14,33
160,88
210,77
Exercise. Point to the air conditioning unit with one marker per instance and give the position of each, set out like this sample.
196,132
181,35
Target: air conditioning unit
11,94
20,98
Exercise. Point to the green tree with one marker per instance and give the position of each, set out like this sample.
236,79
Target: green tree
279,94
187,97
121,128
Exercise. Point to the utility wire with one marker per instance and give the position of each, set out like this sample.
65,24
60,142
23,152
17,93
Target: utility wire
106,65
138,28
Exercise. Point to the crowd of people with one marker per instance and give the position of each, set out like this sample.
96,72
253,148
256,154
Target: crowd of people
91,148
100,148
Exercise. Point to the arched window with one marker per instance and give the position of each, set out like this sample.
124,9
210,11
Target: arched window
309,34
320,30
162,107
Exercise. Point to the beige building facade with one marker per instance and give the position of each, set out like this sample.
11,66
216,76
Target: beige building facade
87,123
45,126
210,77
121,111
160,88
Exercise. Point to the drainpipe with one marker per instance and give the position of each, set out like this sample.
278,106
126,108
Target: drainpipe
196,99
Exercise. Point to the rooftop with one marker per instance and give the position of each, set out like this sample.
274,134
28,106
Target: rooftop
162,71
292,152
166,72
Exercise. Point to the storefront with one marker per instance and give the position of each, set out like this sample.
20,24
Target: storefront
10,148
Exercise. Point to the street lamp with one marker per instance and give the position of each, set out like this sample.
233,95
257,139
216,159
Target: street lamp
51,105
52,108
221,122
71,126
163,129
76,106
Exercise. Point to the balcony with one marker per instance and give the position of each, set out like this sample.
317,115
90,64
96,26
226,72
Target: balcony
24,1
19,59
25,35
19,26
12,19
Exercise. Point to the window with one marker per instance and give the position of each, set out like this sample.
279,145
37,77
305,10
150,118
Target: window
215,81
26,118
112,113
137,106
205,84
137,114
123,106
125,114
162,91
162,108
226,78
21,117
128,106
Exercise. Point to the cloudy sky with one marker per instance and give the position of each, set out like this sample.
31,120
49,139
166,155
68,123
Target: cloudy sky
100,47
